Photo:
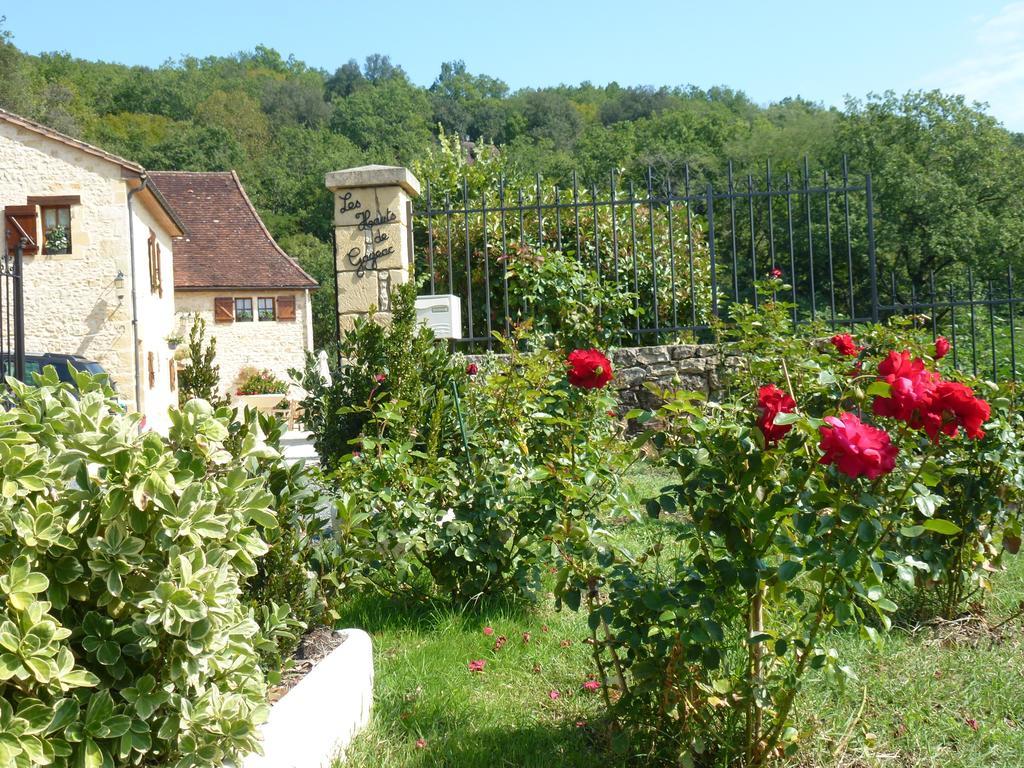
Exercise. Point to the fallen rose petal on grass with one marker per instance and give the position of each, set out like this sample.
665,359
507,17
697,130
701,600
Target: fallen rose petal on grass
477,665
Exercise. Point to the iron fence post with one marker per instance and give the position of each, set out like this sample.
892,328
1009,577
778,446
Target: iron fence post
711,249
872,259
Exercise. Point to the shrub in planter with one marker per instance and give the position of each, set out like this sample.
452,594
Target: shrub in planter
793,522
476,516
123,637
255,382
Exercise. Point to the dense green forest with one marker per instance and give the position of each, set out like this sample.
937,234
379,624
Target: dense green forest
947,176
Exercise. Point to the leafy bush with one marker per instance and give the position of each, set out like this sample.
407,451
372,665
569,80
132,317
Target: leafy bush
377,363
592,236
123,638
471,512
254,382
800,509
562,300
199,378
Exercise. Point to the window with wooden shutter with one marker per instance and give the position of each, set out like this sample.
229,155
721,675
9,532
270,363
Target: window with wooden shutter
224,309
152,370
285,307
22,222
155,279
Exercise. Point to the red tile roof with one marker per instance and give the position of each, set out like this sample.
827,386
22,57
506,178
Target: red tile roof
227,245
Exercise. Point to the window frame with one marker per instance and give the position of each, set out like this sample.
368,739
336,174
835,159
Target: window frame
260,309
240,311
57,208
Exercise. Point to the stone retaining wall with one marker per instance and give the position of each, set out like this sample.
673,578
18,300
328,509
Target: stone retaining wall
695,367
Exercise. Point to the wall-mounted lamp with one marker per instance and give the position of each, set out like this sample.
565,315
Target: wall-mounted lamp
119,284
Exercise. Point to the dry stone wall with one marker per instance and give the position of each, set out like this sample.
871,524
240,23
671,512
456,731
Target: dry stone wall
694,367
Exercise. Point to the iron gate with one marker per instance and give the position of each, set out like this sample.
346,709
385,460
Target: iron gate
12,315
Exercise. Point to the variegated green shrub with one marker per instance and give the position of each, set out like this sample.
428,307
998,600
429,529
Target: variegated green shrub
123,640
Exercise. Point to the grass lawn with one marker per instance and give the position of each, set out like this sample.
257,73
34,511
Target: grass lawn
956,702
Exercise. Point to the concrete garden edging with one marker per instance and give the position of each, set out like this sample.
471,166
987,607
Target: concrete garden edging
314,722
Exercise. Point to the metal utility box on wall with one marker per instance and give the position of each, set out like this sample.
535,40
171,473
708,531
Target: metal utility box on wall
442,314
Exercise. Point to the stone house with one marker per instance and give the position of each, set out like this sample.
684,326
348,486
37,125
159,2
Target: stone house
228,270
98,267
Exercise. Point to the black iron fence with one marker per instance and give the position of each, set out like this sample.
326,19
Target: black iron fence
686,251
12,316
979,317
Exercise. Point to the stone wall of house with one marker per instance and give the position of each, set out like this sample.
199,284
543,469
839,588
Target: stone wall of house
72,303
277,345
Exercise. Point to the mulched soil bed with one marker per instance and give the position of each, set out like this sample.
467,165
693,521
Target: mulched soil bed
315,645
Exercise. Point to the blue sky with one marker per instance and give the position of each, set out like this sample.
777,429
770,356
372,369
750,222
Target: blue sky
818,50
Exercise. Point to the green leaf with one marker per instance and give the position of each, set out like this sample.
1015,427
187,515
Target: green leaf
942,527
879,389
787,418
789,569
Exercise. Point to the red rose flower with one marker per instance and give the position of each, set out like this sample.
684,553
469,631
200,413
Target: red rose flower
955,406
771,401
942,347
856,448
775,272
477,665
844,344
472,369
911,388
589,369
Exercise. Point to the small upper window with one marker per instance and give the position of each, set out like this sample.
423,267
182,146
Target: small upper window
265,307
56,228
243,310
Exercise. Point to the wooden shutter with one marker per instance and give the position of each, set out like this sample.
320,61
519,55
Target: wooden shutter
173,368
285,307
22,221
224,309
155,279
152,370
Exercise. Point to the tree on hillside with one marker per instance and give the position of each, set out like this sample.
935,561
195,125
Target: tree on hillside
948,182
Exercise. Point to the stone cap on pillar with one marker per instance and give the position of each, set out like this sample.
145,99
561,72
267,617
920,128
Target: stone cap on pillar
374,176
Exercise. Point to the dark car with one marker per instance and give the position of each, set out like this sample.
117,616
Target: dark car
36,363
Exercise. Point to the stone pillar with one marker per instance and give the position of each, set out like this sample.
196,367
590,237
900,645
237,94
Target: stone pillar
373,237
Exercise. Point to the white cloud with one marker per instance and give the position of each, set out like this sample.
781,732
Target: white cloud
995,72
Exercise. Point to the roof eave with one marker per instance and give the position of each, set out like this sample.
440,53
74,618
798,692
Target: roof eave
222,287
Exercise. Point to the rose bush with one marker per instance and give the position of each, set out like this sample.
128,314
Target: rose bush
805,507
